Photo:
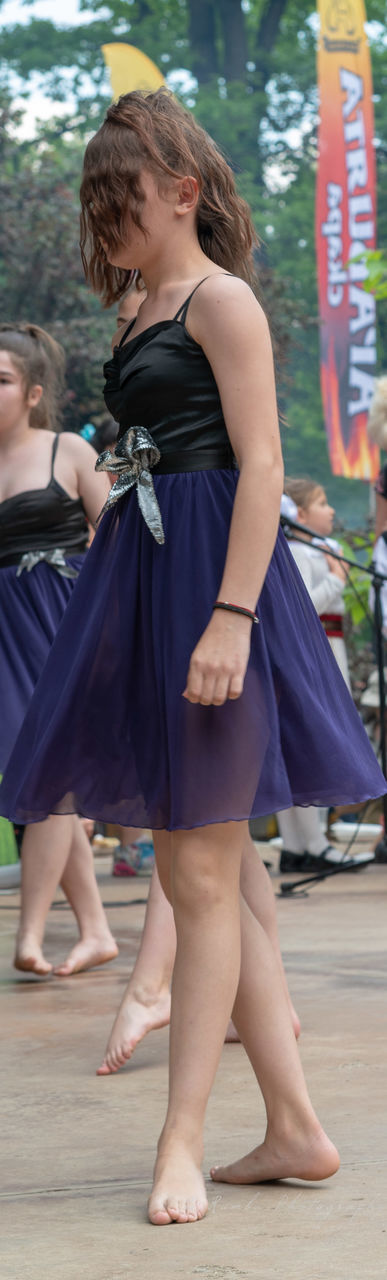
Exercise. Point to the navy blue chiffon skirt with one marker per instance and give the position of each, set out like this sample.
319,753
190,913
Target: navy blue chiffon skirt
108,731
31,609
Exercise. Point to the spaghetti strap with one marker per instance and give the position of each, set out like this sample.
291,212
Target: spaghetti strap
181,314
126,331
53,456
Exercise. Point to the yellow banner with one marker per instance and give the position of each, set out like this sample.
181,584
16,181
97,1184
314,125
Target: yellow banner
130,69
345,226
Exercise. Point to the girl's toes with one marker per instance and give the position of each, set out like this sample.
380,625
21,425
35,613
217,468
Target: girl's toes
183,1211
175,1208
193,1211
158,1214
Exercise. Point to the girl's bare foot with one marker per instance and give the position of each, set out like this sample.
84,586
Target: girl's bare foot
178,1193
29,957
138,1014
87,954
310,1156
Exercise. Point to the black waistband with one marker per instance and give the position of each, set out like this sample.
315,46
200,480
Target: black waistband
195,460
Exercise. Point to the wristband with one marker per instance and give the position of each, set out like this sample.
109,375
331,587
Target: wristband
236,608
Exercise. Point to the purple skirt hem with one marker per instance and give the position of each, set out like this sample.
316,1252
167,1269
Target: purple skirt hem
322,802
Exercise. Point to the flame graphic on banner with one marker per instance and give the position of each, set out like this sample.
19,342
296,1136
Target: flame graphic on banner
359,458
345,227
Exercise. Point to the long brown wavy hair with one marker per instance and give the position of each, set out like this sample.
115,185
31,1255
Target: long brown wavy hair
153,131
41,362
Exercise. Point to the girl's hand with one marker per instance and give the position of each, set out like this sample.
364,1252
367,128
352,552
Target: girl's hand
340,570
218,664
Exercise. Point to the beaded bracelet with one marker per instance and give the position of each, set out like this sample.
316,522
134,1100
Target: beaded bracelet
236,608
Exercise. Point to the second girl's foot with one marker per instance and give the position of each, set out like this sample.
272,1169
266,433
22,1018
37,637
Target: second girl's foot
309,1156
87,954
178,1193
29,957
137,1015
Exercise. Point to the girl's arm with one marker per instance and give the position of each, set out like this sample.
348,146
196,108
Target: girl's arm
75,469
229,324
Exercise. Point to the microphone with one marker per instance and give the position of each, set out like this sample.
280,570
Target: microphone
288,524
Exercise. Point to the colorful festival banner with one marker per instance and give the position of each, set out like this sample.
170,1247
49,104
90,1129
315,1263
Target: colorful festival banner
345,227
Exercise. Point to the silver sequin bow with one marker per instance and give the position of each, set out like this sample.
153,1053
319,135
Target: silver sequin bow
54,557
130,460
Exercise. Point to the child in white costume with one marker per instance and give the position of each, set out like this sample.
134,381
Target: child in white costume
304,842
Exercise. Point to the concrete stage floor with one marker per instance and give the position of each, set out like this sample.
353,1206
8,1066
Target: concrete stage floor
77,1150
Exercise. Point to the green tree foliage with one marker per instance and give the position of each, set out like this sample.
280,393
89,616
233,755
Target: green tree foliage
252,84
41,276
376,282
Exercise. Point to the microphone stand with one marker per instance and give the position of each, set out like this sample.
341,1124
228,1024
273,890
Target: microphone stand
377,579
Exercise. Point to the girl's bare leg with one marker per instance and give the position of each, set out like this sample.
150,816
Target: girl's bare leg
128,835
146,1003
45,850
199,869
96,945
295,1144
204,873
58,851
257,890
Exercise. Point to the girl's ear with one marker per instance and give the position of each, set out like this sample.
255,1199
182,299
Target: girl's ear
187,195
34,396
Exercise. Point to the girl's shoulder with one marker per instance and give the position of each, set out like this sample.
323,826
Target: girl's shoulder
222,286
73,448
226,306
71,442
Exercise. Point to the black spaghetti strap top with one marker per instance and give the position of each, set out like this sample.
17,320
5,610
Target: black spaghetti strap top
41,520
162,380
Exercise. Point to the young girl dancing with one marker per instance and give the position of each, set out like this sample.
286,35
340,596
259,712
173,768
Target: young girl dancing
248,708
146,1002
47,489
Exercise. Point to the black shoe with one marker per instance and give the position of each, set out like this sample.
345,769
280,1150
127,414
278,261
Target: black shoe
295,862
331,860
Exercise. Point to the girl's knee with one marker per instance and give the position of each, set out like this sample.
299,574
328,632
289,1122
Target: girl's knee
204,874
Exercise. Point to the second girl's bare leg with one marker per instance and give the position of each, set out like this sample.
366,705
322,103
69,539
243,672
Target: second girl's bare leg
146,1003
96,945
200,870
45,850
257,890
